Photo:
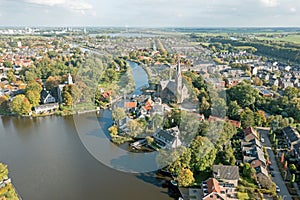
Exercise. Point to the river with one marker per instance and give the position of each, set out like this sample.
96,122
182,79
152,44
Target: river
48,160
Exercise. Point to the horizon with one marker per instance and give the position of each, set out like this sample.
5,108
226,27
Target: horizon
150,13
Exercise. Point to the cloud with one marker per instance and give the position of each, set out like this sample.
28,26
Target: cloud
270,3
74,5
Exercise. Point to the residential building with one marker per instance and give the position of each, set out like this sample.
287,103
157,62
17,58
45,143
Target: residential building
211,190
226,174
167,139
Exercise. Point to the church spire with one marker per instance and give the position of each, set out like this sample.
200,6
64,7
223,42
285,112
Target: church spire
178,82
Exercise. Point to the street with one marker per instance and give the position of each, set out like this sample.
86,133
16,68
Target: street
277,179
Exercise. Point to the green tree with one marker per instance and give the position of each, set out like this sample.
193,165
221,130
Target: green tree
7,64
244,94
185,178
33,97
247,118
11,76
291,92
34,86
233,110
248,171
203,153
110,75
20,105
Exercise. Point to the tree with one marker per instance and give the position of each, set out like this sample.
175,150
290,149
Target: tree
67,98
33,91
203,153
11,76
149,140
218,107
244,94
34,86
293,168
110,75
113,130
3,171
133,127
291,92
233,110
247,118
118,114
52,82
157,121
4,103
248,171
33,97
185,178
20,105
7,64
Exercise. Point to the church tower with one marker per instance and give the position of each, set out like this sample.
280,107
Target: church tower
178,82
70,80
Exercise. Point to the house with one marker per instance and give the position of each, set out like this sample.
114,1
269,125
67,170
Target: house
235,123
254,156
211,190
250,134
252,143
47,108
46,97
122,125
261,171
226,174
292,137
167,139
296,151
130,106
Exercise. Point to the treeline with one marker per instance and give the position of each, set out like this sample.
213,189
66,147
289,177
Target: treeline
281,50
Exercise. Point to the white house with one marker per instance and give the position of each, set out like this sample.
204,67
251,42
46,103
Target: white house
167,139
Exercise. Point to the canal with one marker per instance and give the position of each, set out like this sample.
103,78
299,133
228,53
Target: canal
58,158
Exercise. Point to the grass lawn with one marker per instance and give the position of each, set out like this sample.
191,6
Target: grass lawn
243,196
289,38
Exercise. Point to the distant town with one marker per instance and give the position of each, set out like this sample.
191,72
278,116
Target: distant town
222,109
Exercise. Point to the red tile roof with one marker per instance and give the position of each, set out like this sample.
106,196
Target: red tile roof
130,104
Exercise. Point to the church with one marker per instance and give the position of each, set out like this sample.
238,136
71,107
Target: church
173,90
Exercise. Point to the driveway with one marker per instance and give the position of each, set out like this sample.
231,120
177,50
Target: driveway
277,179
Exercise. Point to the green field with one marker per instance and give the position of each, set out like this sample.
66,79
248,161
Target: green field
288,38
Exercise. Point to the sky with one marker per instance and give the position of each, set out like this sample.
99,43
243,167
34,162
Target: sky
151,13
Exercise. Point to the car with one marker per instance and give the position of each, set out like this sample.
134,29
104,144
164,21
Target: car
173,182
277,189
262,139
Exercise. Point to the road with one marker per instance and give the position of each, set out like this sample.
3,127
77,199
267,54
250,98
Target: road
277,179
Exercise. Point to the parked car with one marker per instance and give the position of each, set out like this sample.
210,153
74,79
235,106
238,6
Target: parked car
277,189
262,139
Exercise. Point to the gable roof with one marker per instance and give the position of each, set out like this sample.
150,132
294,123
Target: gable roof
291,133
131,104
250,131
226,172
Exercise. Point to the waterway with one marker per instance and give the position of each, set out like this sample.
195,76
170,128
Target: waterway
49,158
